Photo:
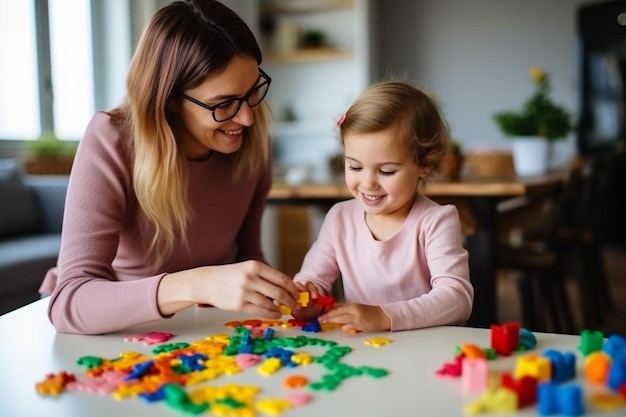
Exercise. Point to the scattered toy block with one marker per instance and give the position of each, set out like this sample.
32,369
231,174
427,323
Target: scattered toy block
252,323
555,399
303,298
505,338
563,365
296,323
299,398
501,400
150,338
472,351
55,384
606,401
273,406
527,339
302,358
474,374
452,369
590,341
535,366
615,345
525,388
596,368
247,360
176,397
617,372
377,341
295,381
312,326
329,326
284,310
174,366
325,301
269,334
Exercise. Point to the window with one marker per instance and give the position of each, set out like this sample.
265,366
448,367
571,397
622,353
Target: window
66,60
19,108
72,66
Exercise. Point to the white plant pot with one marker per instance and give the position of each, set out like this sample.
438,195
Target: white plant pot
531,155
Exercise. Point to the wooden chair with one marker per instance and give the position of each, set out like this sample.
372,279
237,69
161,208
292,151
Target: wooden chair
578,237
538,263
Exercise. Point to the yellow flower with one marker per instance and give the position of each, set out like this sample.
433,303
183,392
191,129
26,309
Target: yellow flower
537,75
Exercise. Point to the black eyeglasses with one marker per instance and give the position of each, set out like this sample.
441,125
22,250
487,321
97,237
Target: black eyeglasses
229,108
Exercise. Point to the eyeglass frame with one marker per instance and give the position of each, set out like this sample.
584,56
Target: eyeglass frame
267,81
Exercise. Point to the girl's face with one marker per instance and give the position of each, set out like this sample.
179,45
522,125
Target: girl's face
199,134
381,173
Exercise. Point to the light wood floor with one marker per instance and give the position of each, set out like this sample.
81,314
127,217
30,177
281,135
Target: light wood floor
615,261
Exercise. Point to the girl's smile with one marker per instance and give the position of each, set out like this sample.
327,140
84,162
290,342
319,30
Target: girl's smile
380,173
372,199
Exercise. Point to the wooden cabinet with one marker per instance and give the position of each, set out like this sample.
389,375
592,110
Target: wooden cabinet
293,237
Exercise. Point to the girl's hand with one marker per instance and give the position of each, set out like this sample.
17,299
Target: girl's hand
250,286
312,310
357,317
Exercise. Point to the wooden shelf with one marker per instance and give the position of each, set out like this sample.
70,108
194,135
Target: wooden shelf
308,55
303,6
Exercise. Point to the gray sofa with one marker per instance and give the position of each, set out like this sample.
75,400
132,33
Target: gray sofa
31,215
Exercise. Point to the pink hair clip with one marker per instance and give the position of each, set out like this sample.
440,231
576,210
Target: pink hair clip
341,119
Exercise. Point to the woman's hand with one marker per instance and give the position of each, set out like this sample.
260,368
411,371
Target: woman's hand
312,310
357,317
251,286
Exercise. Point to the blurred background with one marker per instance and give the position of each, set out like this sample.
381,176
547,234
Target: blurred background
64,59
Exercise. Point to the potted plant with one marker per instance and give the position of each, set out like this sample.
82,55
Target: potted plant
48,155
533,128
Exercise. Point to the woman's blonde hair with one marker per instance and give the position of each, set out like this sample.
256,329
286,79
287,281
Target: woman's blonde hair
413,114
183,43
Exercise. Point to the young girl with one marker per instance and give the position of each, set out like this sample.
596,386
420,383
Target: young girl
399,254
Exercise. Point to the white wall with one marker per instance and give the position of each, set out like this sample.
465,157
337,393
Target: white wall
475,54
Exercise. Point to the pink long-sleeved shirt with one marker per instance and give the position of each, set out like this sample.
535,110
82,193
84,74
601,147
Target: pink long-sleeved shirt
103,281
419,277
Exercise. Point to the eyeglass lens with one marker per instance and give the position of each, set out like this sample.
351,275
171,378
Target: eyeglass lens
228,109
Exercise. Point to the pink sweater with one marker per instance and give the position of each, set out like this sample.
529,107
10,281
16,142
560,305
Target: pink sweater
103,282
419,277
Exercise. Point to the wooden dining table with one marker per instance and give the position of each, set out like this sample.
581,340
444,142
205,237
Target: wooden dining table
481,196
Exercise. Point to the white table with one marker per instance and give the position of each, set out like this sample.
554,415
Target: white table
30,348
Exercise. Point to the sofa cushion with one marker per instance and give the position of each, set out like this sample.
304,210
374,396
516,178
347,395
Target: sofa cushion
18,211
24,261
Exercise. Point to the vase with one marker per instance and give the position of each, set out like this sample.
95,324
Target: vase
531,155
452,165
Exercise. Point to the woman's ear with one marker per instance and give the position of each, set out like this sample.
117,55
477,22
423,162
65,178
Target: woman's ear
172,105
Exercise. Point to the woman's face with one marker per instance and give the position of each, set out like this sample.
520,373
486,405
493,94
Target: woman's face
198,133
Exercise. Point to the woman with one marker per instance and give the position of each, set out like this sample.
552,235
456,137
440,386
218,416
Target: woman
167,191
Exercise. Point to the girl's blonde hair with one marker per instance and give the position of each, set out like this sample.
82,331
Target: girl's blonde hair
183,43
412,113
